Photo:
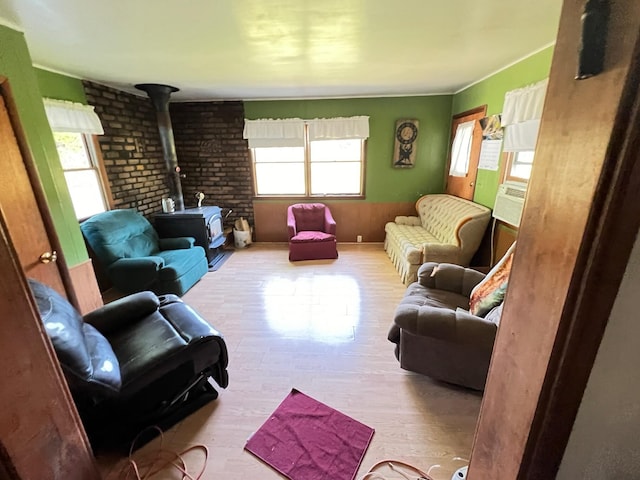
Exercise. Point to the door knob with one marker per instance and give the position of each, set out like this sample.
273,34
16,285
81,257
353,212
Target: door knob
472,184
48,257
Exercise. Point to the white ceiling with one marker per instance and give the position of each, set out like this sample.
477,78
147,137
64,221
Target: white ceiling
267,49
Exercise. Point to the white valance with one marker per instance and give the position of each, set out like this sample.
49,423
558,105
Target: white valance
67,116
521,137
269,132
289,132
521,116
338,128
461,149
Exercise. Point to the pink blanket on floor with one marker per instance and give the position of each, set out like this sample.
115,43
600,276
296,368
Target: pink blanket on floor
307,440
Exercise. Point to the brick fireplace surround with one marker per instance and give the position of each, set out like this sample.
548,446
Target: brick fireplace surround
211,152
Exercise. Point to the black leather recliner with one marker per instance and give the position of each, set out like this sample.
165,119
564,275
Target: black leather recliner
142,360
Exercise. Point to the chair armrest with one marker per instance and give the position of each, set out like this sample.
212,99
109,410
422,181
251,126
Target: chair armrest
177,243
196,330
408,220
187,322
440,252
329,222
122,312
291,224
449,277
141,272
456,326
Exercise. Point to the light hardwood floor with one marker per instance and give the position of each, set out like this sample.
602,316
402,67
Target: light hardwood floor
321,327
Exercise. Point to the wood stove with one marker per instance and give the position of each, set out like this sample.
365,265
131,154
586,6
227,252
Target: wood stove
202,223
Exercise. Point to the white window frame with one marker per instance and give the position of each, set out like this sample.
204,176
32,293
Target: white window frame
511,164
95,164
303,140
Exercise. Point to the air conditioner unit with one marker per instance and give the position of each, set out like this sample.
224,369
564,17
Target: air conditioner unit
509,202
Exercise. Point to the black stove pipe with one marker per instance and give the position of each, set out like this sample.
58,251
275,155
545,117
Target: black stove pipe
159,95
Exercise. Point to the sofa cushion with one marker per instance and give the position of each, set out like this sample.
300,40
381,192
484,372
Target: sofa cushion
144,348
73,340
178,262
312,236
410,240
442,215
418,295
309,216
120,234
490,292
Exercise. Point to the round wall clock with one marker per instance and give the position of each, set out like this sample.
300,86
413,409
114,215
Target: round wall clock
406,134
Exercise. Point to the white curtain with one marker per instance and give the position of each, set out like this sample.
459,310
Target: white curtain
269,132
521,116
67,116
461,149
337,128
289,132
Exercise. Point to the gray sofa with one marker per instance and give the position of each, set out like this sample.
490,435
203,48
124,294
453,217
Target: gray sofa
436,335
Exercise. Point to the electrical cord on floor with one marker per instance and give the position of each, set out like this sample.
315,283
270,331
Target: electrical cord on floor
148,466
407,470
372,474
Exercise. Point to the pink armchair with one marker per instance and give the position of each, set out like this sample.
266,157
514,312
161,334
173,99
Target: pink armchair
312,232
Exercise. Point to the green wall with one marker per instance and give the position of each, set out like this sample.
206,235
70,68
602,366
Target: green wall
16,65
491,92
60,87
383,183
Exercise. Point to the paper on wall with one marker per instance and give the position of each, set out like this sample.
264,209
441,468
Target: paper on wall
490,154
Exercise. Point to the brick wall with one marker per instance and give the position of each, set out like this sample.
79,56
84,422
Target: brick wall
131,148
213,156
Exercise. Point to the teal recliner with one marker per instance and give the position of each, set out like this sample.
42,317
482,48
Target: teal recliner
135,259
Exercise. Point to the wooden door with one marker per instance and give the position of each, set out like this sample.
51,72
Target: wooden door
464,187
21,209
41,435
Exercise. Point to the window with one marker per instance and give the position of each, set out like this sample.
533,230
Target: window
518,165
461,149
74,126
521,116
81,172
331,167
308,158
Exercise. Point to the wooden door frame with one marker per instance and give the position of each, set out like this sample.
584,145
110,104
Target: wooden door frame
594,266
614,219
38,191
481,109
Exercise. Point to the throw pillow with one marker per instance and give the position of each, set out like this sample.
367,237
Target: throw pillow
490,292
495,314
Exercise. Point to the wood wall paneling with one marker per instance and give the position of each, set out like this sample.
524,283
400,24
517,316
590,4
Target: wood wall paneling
352,219
574,143
85,284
